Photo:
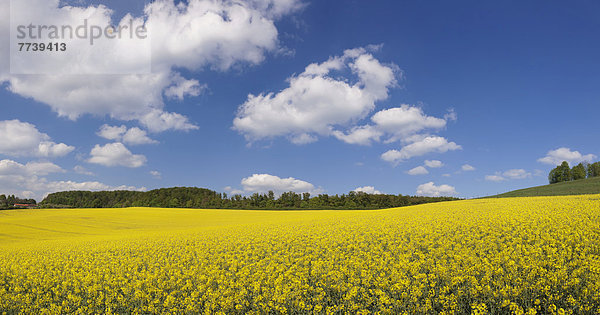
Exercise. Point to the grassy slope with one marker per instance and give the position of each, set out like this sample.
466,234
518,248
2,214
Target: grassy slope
578,187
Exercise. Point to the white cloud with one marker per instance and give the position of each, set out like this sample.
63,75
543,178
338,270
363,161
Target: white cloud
394,124
421,147
368,190
182,87
82,170
159,121
303,138
9,167
325,101
318,99
33,186
156,174
27,180
51,149
112,132
23,139
232,191
433,163
91,186
451,115
516,174
192,35
510,174
431,190
494,178
136,135
405,121
555,157
133,136
115,154
419,170
275,9
262,183
132,97
43,168
362,135
467,168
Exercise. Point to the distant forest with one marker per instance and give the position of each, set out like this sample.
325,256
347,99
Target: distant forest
191,197
8,202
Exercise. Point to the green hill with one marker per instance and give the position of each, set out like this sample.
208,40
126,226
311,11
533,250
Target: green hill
577,187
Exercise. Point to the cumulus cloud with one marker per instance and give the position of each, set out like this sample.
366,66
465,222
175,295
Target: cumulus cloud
233,191
362,135
517,174
192,35
159,121
422,170
431,190
419,170
433,163
116,154
421,147
132,136
275,9
329,98
56,186
467,168
555,157
82,170
393,124
28,180
182,87
510,174
368,190
319,99
262,183
494,178
23,139
40,187
9,167
405,121
112,132
156,174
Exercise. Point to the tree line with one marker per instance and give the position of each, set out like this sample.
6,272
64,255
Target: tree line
191,197
8,202
564,173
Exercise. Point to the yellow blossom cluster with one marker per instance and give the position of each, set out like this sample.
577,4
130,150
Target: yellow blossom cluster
538,255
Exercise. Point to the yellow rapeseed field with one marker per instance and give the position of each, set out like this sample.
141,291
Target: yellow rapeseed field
519,255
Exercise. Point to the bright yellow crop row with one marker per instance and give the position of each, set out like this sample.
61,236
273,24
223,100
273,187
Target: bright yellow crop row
520,255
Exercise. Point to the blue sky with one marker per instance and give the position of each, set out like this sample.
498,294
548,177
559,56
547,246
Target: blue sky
508,88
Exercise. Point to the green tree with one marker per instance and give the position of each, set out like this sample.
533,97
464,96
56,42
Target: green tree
553,177
593,170
578,172
174,203
564,172
192,197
